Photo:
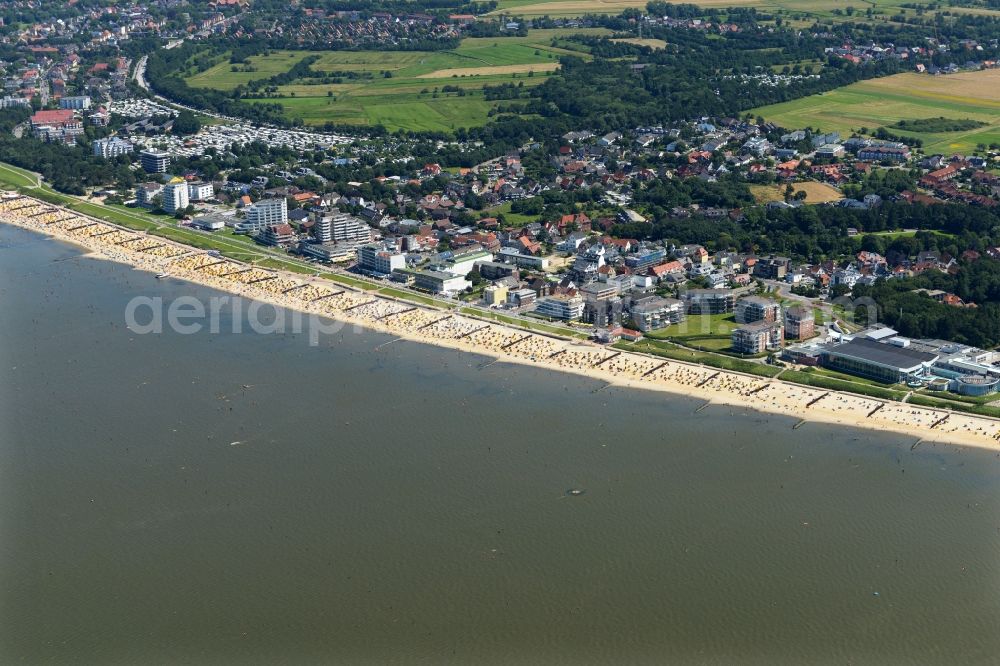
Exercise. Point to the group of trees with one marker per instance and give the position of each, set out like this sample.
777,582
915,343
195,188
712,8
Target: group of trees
698,74
812,233
365,8
917,315
939,124
662,195
69,169
186,124
165,69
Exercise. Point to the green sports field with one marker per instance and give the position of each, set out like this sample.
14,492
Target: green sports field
883,102
402,89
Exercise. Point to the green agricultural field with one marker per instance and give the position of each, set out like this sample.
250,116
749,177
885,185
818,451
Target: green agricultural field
883,102
581,7
801,13
411,111
221,77
401,89
561,8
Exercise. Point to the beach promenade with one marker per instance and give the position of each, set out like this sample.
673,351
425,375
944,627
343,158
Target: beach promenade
502,342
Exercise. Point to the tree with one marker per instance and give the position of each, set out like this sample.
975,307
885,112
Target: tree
838,290
186,123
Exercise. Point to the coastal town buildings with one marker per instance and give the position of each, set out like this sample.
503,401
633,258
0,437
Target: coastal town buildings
263,214
148,194
340,228
11,102
602,305
200,191
756,308
175,196
327,252
56,125
380,259
521,298
758,337
80,102
800,323
653,313
708,301
112,147
277,235
561,306
884,362
436,282
154,161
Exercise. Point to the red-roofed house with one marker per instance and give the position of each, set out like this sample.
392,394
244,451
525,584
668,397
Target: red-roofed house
529,246
664,269
56,125
935,178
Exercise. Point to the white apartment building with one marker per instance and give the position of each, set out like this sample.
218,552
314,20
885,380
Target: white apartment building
263,214
566,308
8,102
112,147
80,102
154,161
200,191
380,258
341,228
175,197
147,192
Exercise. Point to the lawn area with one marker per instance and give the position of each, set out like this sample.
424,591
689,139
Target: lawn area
15,177
514,321
821,381
698,327
221,77
905,233
580,7
883,102
415,298
815,192
833,374
350,281
398,111
561,8
801,13
667,350
515,219
123,216
942,403
655,44
710,331
401,89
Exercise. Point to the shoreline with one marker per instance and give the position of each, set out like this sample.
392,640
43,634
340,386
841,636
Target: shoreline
502,342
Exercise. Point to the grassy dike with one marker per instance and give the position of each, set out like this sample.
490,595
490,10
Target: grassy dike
677,353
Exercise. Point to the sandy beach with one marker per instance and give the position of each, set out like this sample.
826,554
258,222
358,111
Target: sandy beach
504,343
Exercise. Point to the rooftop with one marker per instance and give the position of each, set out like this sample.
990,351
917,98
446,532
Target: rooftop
759,300
882,354
757,326
654,303
56,116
